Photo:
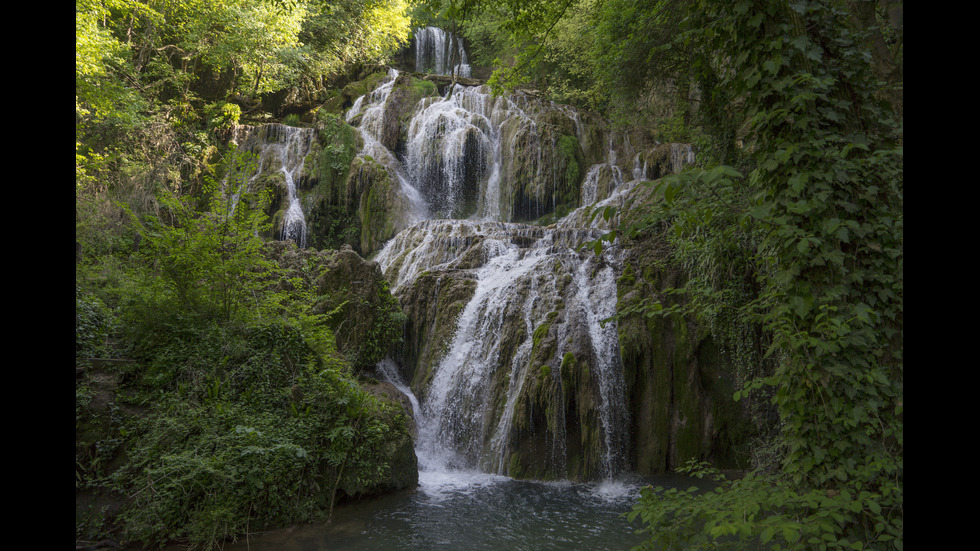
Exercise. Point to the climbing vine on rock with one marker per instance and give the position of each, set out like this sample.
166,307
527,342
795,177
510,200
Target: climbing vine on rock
819,200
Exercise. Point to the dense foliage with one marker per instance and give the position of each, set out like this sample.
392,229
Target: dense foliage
234,408
156,83
241,413
814,213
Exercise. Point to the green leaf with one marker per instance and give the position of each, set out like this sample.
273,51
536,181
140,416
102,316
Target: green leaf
608,213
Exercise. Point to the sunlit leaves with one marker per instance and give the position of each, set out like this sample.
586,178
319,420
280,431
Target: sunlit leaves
100,93
386,26
93,44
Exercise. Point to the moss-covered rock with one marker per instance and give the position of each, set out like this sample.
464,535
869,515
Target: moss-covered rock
335,103
362,210
365,317
680,385
401,106
432,305
365,85
356,200
370,185
543,170
332,221
663,159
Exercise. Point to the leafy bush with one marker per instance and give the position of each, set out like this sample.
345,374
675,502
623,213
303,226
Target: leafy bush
252,426
92,325
211,261
758,511
251,418
222,117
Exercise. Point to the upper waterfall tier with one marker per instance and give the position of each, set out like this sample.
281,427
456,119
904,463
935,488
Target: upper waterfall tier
470,154
411,154
438,51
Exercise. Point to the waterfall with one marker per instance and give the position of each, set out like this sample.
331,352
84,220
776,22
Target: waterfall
525,276
680,156
455,151
434,49
527,380
603,178
367,114
531,285
279,149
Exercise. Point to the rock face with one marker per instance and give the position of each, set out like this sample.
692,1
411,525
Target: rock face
504,340
433,303
679,383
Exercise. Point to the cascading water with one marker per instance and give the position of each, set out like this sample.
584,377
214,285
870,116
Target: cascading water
460,155
367,113
528,277
434,52
529,281
530,382
454,152
280,149
602,179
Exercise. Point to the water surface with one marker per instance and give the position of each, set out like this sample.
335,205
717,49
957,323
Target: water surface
477,511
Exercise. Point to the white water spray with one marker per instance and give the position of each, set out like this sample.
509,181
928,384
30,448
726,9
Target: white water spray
434,52
367,114
283,149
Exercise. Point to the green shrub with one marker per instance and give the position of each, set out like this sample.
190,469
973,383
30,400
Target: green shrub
222,117
254,418
92,325
252,429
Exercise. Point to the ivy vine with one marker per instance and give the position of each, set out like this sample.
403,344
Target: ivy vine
817,208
